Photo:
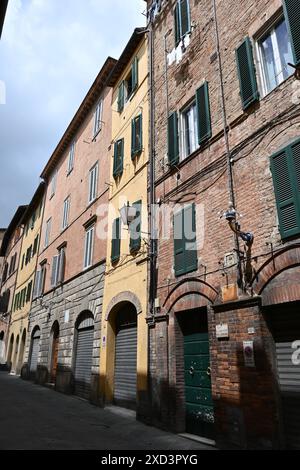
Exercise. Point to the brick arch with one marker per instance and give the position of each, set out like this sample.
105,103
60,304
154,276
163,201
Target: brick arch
284,259
189,294
126,296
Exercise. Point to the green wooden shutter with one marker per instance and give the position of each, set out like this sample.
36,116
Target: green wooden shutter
133,140
292,16
285,166
134,73
121,96
116,241
247,75
177,24
179,264
136,136
190,243
184,17
203,113
135,228
173,139
118,158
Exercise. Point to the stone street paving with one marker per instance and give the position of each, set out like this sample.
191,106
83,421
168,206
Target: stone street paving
34,417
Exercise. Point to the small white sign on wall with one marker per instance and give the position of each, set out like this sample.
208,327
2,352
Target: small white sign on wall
222,331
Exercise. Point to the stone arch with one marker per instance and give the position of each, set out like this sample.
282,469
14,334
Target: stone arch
190,294
120,298
282,260
84,319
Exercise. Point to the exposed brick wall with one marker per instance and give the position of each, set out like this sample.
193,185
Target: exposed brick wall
245,400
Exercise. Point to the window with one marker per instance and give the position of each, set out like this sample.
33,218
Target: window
5,271
128,86
136,136
116,241
93,183
71,158
118,158
195,126
189,130
28,255
58,268
275,52
89,247
35,245
66,212
285,166
98,118
48,232
23,261
185,246
29,290
39,283
12,265
181,20
53,184
135,228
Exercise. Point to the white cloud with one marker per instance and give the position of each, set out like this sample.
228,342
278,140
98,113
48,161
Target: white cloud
50,53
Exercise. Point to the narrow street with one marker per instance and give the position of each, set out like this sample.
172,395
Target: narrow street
37,418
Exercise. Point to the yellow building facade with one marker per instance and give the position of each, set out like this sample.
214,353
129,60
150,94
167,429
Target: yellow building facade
32,222
124,341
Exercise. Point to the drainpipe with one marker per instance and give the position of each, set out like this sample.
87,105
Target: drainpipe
227,145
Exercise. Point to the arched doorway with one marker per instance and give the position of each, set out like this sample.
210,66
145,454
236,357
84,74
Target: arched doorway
54,351
2,348
84,329
125,367
35,348
10,350
21,353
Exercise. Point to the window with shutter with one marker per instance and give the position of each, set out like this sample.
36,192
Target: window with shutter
118,158
136,136
47,232
28,294
89,247
182,22
121,97
185,245
247,74
54,270
93,183
116,241
71,158
173,139
292,16
285,166
203,113
134,74
135,228
98,118
36,284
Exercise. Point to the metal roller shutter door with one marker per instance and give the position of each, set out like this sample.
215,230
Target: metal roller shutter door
34,353
83,362
286,327
125,366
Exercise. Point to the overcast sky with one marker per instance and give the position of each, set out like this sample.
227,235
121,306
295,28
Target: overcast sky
50,53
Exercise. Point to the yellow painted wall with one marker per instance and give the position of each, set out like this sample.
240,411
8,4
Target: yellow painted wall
130,273
19,318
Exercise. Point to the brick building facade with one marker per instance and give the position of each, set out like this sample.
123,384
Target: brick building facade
232,110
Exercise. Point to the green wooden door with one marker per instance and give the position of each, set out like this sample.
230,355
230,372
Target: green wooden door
198,396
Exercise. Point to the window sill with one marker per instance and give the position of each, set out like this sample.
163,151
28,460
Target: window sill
69,172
